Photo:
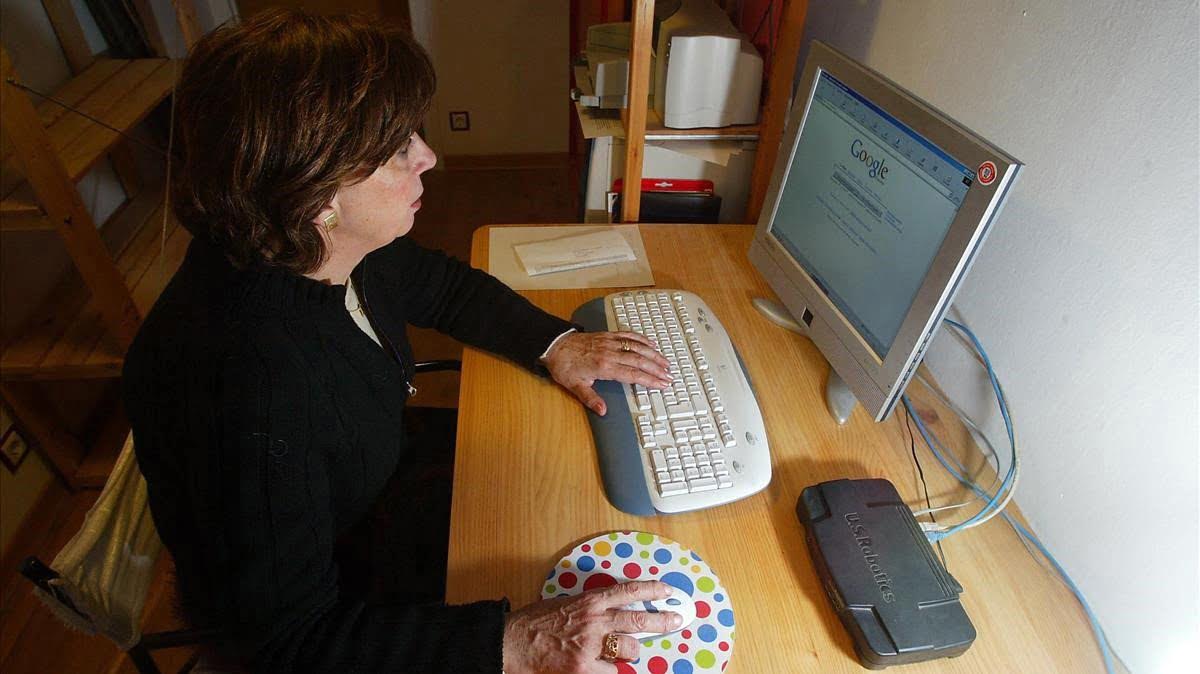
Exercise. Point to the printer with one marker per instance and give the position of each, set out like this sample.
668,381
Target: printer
706,73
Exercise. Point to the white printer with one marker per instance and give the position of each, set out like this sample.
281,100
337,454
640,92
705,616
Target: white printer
706,73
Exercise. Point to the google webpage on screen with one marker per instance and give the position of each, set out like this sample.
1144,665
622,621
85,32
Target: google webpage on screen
865,207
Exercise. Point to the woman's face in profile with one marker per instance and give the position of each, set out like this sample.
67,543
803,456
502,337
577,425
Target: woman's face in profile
381,208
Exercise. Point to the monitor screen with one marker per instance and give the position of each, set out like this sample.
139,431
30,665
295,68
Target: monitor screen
878,205
866,206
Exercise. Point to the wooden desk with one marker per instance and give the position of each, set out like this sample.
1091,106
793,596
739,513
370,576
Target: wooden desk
527,488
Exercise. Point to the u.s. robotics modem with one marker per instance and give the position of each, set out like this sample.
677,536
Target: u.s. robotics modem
887,586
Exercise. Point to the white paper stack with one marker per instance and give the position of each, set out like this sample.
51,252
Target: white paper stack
574,252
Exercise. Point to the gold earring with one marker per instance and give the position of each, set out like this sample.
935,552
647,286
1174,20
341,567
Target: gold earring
331,222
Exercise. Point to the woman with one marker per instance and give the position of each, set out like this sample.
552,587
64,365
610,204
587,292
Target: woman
266,386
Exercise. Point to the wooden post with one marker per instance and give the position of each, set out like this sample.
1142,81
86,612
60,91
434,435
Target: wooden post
70,34
189,26
640,34
57,194
779,96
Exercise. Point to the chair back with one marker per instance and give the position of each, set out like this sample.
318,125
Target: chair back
104,571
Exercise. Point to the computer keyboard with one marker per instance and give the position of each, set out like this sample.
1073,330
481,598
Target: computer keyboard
697,444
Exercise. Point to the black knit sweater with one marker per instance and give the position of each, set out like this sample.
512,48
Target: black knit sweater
266,424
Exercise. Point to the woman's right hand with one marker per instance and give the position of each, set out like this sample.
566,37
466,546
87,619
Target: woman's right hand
566,635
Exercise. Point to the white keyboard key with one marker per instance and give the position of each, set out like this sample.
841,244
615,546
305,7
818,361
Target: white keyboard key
724,481
643,401
657,406
659,460
673,488
684,424
702,484
680,410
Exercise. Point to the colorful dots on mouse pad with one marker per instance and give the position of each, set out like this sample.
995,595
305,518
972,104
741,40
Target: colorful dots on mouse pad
705,647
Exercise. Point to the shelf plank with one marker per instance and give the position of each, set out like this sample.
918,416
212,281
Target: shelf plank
596,123
122,100
654,127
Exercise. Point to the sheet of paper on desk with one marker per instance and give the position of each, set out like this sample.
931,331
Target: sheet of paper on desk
574,252
504,264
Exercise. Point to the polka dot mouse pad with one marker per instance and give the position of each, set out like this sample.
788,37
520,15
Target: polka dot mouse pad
616,557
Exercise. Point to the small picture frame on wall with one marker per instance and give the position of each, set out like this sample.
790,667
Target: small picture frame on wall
13,449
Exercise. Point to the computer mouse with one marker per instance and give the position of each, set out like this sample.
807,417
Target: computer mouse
679,602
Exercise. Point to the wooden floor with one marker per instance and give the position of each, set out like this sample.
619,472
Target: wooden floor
455,203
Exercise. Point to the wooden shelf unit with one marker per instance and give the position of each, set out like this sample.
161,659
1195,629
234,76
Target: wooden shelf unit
50,142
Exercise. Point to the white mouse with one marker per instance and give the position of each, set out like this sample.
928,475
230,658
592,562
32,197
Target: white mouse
679,602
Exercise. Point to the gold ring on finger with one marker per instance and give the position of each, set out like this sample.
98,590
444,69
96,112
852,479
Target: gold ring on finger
611,651
625,345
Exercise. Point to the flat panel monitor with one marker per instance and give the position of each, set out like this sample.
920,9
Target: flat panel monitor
876,209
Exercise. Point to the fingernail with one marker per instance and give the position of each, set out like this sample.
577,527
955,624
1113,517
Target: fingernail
676,621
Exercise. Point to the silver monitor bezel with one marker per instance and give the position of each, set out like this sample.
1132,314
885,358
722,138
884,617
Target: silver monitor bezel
877,382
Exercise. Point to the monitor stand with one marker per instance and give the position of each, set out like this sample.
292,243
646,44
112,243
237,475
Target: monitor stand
838,397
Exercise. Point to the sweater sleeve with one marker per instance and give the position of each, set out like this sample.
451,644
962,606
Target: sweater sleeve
440,292
284,607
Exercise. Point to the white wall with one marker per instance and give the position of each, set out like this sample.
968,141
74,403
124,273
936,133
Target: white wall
1086,293
504,62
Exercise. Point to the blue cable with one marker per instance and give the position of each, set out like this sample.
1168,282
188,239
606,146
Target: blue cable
934,445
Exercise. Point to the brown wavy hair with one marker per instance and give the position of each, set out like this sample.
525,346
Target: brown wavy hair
275,113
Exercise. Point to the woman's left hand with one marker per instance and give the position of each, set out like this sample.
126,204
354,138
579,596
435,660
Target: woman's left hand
580,358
